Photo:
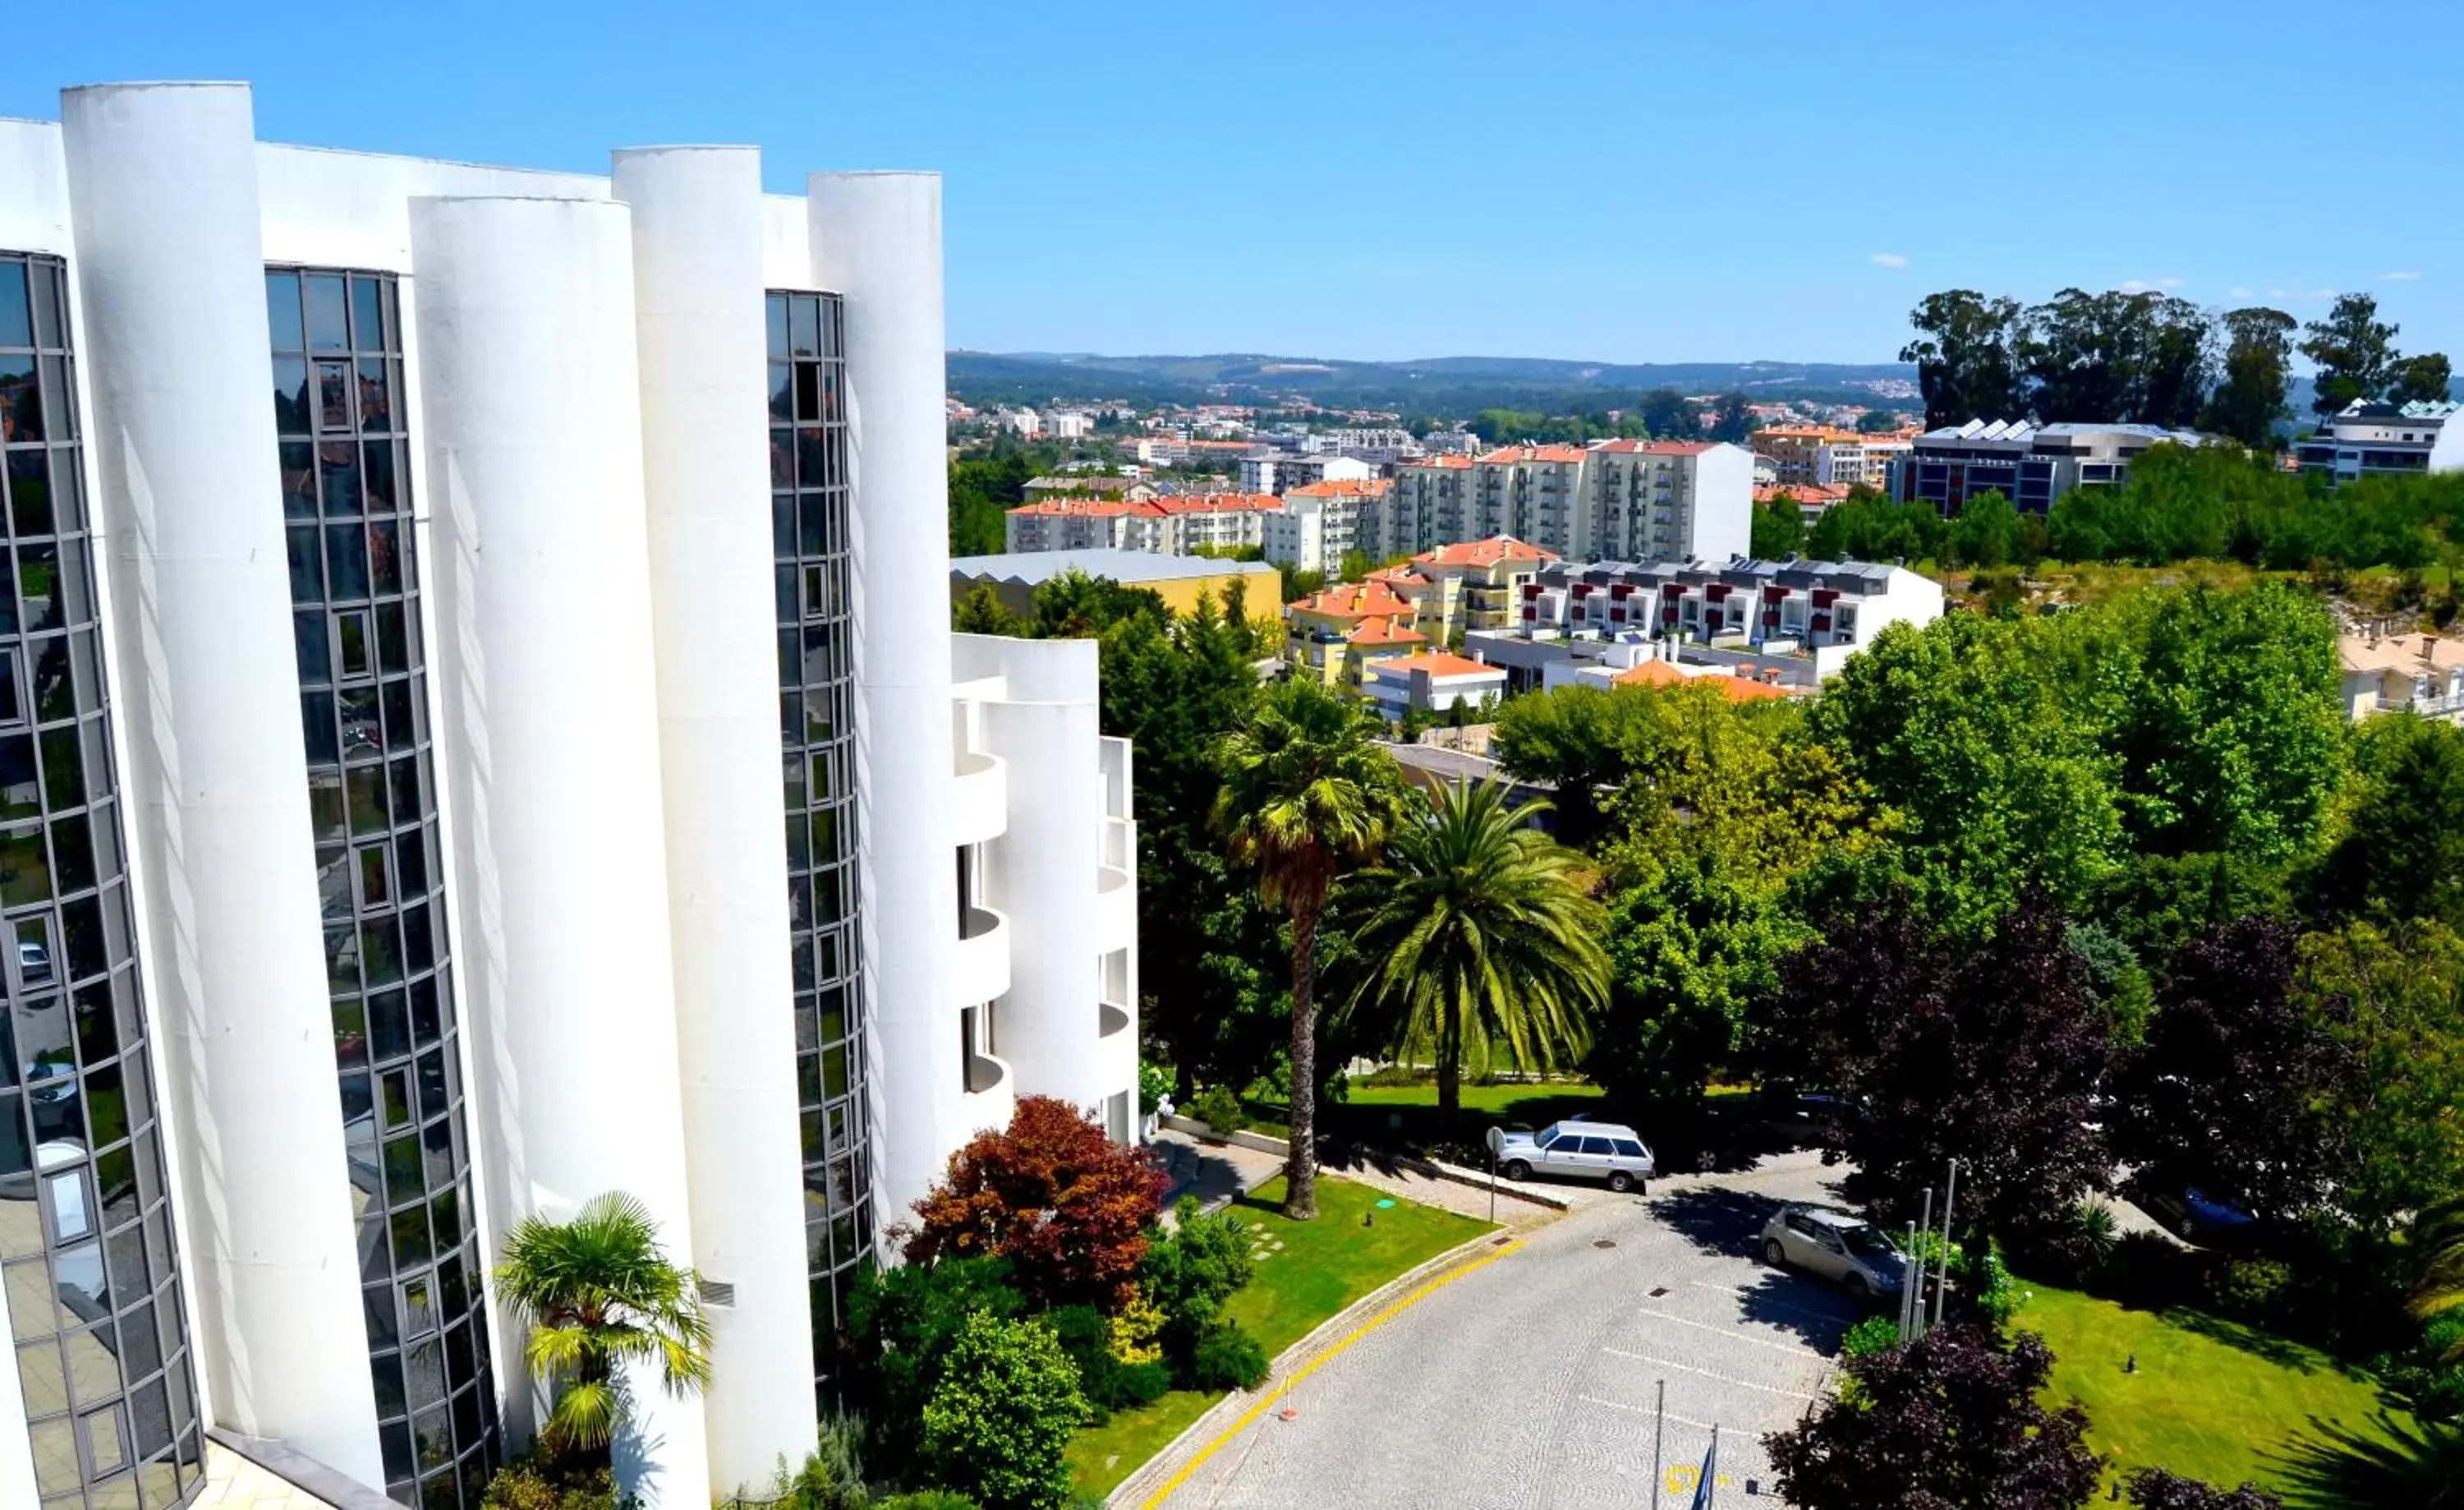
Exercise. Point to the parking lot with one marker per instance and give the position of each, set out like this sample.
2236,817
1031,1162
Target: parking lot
1530,1380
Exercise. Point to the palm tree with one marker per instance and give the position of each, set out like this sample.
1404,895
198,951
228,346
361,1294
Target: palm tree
2441,1235
1306,796
1476,936
598,1295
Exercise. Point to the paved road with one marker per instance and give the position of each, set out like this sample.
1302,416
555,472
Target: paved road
1529,1383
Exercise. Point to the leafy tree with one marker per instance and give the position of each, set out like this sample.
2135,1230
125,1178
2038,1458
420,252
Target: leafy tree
1307,794
2257,369
1973,731
1667,415
1985,1052
982,491
2394,999
1969,357
981,611
1475,937
2439,1235
1000,1421
1067,1205
2155,1489
1951,1419
1778,530
2402,850
1191,1270
2137,358
2354,352
1877,422
1571,738
2237,1089
2424,379
1733,420
1074,605
600,1298
901,1323
1988,532
2418,1466
2157,903
1866,526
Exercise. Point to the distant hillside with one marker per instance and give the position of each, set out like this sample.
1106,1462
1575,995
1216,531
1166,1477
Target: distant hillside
1439,384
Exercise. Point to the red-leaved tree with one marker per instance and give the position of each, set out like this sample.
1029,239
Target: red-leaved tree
1067,1205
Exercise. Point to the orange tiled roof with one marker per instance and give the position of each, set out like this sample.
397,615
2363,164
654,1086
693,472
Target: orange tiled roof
1655,448
1381,629
1660,674
1355,599
1440,663
1399,576
1221,504
1343,488
1507,454
1447,462
1483,552
1087,508
1650,674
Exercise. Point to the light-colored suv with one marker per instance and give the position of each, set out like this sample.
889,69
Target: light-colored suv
1837,1246
1580,1150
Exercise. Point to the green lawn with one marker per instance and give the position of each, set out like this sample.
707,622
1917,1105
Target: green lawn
2211,1399
1504,1100
1322,1267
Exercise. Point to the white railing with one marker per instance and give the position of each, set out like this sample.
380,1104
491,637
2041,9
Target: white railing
981,967
979,797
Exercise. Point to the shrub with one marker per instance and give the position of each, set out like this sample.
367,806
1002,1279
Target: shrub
1068,1207
901,1325
2429,1374
1227,1357
2155,1489
538,1481
1136,1330
1135,1384
832,1478
1003,1414
1219,1110
2149,1271
1989,1287
927,1499
2248,1290
1155,1084
1875,1334
1190,1272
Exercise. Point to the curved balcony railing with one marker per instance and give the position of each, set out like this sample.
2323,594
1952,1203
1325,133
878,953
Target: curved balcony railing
979,798
981,969
1111,1019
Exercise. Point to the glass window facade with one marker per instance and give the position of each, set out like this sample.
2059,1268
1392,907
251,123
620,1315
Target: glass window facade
356,599
808,502
86,1256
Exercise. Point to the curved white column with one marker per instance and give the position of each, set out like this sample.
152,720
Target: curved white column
164,191
532,403
876,239
698,286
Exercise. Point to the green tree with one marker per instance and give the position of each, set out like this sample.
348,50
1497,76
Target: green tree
1968,358
1307,794
1733,420
2402,852
2439,1235
1572,738
2354,352
1476,938
599,1297
1988,532
2394,998
981,611
1074,605
1669,417
2257,369
1000,1421
1877,422
2141,358
982,491
1778,530
2424,379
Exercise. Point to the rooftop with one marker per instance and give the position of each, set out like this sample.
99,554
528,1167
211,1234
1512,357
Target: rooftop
1655,448
1381,629
1350,599
1513,454
1444,462
1487,552
2412,654
2418,409
1343,488
1031,567
1439,663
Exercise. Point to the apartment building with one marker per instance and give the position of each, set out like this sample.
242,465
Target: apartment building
1473,585
2032,465
1826,456
1647,500
2421,674
333,964
1436,682
1283,471
1088,486
1799,621
2373,439
1069,424
1172,526
1320,523
1330,634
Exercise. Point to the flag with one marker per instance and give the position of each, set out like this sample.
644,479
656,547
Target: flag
1706,1486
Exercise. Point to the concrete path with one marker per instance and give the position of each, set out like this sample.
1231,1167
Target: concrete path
1216,1173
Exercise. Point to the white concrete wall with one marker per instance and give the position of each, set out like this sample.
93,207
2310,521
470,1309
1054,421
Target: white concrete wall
551,735
698,260
180,435
1722,517
876,239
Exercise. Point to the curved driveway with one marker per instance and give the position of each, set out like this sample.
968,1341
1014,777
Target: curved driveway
1529,1382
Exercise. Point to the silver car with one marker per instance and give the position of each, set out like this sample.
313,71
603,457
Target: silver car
1580,1150
1837,1246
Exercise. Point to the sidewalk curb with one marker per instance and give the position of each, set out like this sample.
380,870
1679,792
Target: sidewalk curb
1150,1475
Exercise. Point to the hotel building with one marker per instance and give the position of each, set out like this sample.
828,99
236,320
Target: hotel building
513,754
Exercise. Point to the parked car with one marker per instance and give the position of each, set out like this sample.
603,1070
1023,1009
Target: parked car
1579,1150
1837,1246
2199,1217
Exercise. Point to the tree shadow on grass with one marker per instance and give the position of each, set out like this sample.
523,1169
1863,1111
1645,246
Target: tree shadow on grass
2282,1352
2337,1467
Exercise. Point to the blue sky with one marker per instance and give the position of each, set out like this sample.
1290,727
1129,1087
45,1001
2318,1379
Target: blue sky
1630,181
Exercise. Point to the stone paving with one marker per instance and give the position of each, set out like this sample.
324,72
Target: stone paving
1530,1380
234,1483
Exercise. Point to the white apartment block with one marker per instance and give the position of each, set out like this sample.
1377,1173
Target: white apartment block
2371,440
402,520
1865,461
1282,471
1661,500
1320,523
1069,424
1025,423
1175,525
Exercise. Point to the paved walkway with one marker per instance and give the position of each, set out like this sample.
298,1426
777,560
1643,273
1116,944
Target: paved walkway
1216,1173
234,1483
1529,1379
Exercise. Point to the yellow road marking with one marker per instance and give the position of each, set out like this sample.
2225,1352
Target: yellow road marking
1349,1337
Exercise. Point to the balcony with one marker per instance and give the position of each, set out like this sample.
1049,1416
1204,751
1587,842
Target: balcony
979,798
1112,1020
980,972
990,1098
1116,893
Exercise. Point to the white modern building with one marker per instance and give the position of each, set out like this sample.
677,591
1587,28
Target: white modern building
1283,471
2368,440
2032,465
1627,499
513,754
1320,523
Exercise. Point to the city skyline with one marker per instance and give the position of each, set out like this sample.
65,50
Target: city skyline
1717,193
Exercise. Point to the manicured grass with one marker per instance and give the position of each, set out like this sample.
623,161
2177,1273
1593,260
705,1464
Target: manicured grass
1505,1098
2211,1399
1322,1267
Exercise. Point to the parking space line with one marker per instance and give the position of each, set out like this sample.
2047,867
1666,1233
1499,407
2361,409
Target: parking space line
1816,1312
1644,1410
1688,1368
1797,1349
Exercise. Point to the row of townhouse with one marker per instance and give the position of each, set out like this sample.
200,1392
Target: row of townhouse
1340,634
1639,500
1825,456
1177,525
1797,621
